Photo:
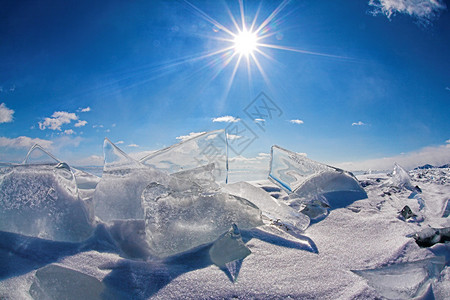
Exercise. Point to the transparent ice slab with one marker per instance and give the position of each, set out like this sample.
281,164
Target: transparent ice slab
404,280
307,178
228,248
177,220
118,194
42,200
400,178
205,149
56,282
271,208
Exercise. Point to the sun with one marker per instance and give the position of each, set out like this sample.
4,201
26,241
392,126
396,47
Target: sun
245,43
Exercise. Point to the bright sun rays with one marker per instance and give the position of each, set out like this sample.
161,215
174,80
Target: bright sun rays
245,42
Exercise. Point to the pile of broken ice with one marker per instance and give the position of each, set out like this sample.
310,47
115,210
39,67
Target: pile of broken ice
171,201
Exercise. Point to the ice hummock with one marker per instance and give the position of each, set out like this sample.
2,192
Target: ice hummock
272,209
118,194
404,280
40,198
228,248
207,149
177,220
306,179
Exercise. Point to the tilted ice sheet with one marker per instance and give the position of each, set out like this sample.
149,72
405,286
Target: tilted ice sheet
118,194
205,149
272,208
43,201
404,280
57,282
177,221
306,178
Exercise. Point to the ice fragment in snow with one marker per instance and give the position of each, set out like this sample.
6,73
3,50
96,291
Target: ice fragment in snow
56,282
407,213
205,149
177,221
229,247
404,280
118,194
400,178
446,212
203,176
42,200
271,208
430,236
316,209
307,178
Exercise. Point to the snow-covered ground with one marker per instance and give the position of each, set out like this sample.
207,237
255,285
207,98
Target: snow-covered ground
366,234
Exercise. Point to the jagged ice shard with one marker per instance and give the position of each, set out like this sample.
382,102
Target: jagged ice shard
209,148
40,198
306,179
177,220
228,248
118,194
400,178
404,280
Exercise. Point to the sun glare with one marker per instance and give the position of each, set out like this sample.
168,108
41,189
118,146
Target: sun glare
245,43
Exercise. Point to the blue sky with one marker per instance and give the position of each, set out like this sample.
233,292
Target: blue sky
356,80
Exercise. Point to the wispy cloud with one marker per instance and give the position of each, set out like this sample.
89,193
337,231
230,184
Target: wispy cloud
423,10
58,119
447,88
448,141
23,142
359,123
227,119
189,136
97,125
86,109
133,145
80,123
259,120
296,121
6,114
119,142
437,156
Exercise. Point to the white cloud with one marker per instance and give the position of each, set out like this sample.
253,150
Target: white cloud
448,141
359,123
259,120
227,119
69,131
436,156
6,114
87,109
133,145
119,142
80,123
23,142
233,136
95,126
296,121
58,119
189,136
423,10
113,125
